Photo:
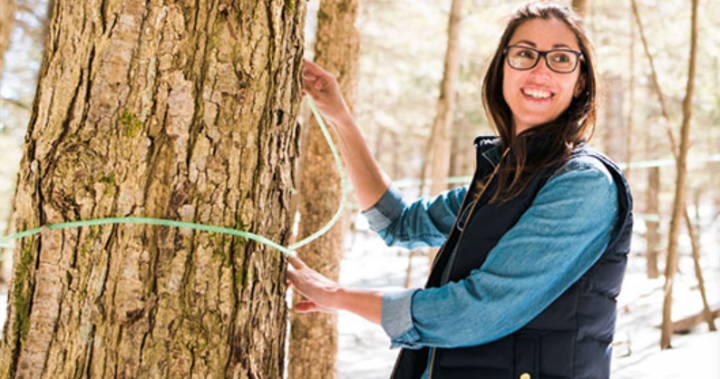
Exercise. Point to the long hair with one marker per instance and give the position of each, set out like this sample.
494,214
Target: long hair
560,136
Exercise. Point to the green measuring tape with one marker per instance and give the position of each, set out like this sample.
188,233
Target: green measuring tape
5,241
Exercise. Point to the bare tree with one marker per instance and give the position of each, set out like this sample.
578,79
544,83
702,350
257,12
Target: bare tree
679,202
653,235
680,155
184,112
7,18
313,341
440,142
631,101
695,242
437,161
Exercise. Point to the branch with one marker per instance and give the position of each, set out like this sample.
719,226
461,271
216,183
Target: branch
16,103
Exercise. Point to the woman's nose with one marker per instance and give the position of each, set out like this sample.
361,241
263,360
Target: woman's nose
541,69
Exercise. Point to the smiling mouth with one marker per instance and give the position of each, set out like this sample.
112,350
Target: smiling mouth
537,94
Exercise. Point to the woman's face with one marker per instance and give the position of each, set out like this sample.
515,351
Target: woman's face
540,95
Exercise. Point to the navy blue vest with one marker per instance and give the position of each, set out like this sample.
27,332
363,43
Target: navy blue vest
571,338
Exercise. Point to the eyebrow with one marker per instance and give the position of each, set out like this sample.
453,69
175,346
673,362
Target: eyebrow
533,44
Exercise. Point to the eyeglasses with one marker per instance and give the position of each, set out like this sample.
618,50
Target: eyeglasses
563,61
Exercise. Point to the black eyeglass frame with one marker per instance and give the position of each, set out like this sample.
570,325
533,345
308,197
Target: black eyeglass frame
543,54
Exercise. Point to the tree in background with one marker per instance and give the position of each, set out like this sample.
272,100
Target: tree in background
440,143
580,6
7,18
437,162
37,33
313,337
678,210
184,112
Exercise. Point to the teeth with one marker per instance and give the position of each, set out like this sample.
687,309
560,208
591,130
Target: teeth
538,94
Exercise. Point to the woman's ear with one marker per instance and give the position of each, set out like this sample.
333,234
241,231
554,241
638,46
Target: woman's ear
579,86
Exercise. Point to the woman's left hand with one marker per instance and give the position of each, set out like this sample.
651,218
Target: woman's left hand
320,291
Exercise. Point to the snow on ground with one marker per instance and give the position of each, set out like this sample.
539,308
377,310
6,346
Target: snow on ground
364,348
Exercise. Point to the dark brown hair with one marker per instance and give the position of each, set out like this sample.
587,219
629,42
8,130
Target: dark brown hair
560,136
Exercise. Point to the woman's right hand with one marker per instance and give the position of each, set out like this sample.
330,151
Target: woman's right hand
325,91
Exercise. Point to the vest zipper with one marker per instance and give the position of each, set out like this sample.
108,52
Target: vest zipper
467,220
442,250
472,209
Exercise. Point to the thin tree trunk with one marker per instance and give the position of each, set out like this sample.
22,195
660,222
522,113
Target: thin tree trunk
653,236
679,202
185,112
313,341
695,242
396,166
580,6
440,143
7,20
667,324
409,270
654,77
631,102
614,122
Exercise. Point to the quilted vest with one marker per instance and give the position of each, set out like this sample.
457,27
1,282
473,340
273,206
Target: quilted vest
571,338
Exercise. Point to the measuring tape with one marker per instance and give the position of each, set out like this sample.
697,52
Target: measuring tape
5,241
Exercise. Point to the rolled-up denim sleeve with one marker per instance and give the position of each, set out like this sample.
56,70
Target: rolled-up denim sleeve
396,318
554,243
423,223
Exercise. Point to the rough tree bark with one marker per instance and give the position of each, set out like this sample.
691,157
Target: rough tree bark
313,337
183,111
679,201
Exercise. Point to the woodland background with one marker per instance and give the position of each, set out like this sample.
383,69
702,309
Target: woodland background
401,70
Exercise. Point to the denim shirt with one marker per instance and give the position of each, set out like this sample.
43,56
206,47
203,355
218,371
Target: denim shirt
561,235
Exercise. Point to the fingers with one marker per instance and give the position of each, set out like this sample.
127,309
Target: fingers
305,307
294,279
311,68
296,262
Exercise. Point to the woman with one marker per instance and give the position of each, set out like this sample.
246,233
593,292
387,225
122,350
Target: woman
533,251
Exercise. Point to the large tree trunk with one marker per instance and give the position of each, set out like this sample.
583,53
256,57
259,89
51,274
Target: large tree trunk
7,19
313,341
180,111
679,201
